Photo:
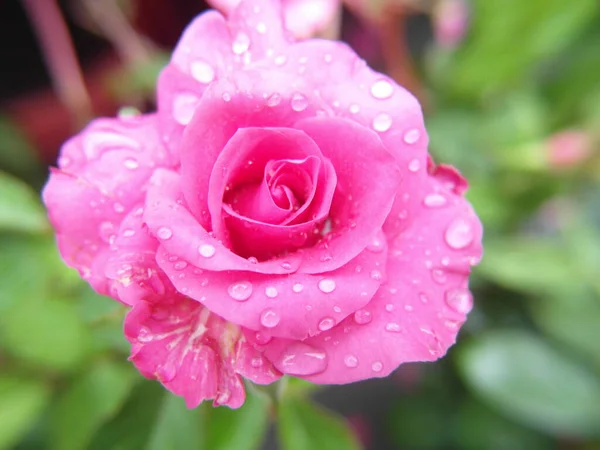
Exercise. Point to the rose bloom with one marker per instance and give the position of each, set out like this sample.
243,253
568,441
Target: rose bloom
278,214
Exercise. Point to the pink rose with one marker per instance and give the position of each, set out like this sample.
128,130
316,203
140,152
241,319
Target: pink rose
279,214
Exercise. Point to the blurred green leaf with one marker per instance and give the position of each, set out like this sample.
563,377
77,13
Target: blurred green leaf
17,156
88,403
48,334
525,378
21,402
305,426
177,427
20,208
239,429
527,265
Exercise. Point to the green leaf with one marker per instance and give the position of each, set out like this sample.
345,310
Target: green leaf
239,429
20,207
305,426
21,402
177,426
48,334
17,155
88,403
528,380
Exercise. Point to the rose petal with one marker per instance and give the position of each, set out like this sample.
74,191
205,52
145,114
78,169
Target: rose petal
416,314
192,352
100,178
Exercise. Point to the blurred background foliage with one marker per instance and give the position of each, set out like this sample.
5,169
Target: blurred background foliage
514,103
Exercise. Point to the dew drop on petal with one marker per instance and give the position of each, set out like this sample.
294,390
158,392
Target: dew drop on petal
376,366
118,207
351,361
382,122
354,109
271,292
286,265
414,165
301,359
412,136
299,102
328,58
184,105
131,164
241,43
269,318
202,71
206,250
434,200
240,290
326,324
389,307
376,275
459,300
326,285
164,233
459,234
376,245
180,265
297,287
393,327
256,362
262,338
280,60
274,100
439,276
261,28
363,317
382,89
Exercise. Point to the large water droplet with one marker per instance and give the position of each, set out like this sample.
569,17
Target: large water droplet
459,234
301,359
382,122
184,105
351,361
164,233
412,136
240,291
326,324
269,318
434,200
382,89
327,285
206,250
363,317
299,102
202,71
460,300
241,43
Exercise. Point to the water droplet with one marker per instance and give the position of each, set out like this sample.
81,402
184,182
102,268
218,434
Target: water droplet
269,318
252,260
376,245
299,102
423,298
393,327
164,233
362,317
434,200
180,265
301,359
439,276
354,109
376,366
206,250
328,58
226,97
286,265
337,309
256,362
351,361
382,89
118,207
274,100
128,232
271,292
202,71
184,106
261,28
131,164
240,290
297,287
262,338
389,307
408,308
445,261
326,324
376,275
241,43
460,300
280,60
414,165
412,136
382,122
327,285
459,234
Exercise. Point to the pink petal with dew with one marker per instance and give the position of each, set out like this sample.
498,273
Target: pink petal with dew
417,312
193,353
307,18
101,174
